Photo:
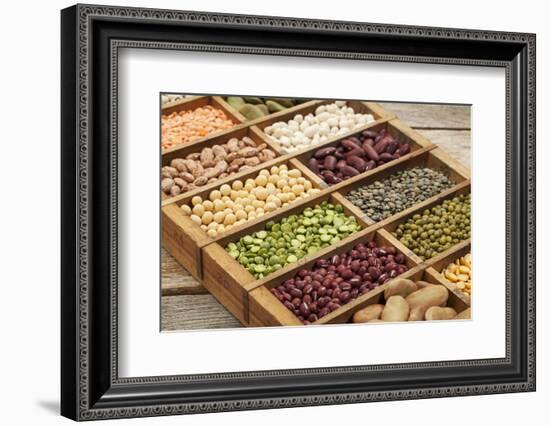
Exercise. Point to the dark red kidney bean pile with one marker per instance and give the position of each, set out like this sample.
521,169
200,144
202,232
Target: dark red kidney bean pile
331,283
356,154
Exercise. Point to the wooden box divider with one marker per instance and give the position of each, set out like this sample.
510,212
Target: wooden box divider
416,149
424,157
258,311
284,115
216,184
345,312
399,246
439,262
421,272
396,220
462,186
380,116
457,300
239,132
169,106
221,270
194,102
307,173
179,230
352,208
294,109
183,239
380,171
377,111
222,276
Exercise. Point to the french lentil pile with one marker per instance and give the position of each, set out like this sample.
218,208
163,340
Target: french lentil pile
384,198
437,229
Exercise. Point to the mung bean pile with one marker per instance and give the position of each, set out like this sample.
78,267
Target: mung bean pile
437,229
384,198
285,242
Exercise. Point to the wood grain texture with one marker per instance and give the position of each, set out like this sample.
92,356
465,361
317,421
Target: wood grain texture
455,142
175,279
194,312
426,116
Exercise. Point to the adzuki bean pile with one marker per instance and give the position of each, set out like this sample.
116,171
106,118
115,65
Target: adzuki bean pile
356,154
331,283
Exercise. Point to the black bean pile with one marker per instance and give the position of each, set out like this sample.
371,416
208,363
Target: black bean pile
389,196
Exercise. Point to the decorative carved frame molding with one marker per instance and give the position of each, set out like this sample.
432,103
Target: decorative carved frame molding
91,388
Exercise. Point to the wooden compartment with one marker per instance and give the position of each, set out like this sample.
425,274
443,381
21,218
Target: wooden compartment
184,239
185,98
422,272
380,115
227,279
256,120
417,143
393,222
424,157
195,102
238,132
266,310
439,262
375,109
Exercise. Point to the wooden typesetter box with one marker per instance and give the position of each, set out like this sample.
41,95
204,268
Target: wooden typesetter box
249,299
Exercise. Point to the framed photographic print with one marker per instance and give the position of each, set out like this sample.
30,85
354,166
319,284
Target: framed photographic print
263,212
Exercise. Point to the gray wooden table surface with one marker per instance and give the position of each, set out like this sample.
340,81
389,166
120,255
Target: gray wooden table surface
187,305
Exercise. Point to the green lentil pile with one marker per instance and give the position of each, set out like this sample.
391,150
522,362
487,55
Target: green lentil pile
295,236
438,228
384,198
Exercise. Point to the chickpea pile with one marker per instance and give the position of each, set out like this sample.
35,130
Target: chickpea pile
459,274
234,204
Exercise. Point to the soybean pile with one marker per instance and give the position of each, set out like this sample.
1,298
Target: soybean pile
285,242
437,229
384,198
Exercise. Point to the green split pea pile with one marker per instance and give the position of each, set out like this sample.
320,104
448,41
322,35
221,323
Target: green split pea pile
295,236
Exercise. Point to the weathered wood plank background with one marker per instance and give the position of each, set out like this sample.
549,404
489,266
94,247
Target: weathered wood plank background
187,305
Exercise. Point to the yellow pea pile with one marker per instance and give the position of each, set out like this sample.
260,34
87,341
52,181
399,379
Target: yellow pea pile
234,204
459,273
